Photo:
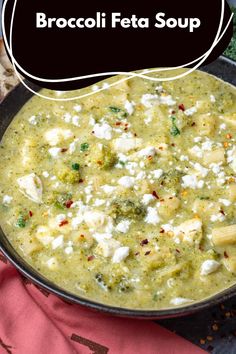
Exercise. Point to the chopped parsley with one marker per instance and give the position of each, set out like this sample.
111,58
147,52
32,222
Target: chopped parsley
21,222
75,166
174,129
115,109
84,147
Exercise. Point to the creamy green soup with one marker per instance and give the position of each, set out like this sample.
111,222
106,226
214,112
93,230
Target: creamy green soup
126,197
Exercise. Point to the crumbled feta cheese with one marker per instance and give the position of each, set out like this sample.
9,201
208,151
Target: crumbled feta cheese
123,226
52,263
105,86
189,229
67,117
191,181
196,151
152,216
99,202
57,135
207,145
157,173
77,108
167,100
31,186
107,247
76,221
209,266
94,219
190,111
141,175
225,202
54,152
215,168
148,151
126,144
223,126
177,301
147,198
69,250
184,158
218,217
120,254
58,242
108,189
212,98
7,199
197,139
33,120
95,88
59,218
126,181
202,170
129,106
45,174
103,131
99,237
148,100
75,121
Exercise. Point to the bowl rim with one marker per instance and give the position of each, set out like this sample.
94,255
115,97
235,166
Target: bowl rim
36,278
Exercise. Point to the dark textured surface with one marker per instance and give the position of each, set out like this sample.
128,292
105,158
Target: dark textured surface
213,330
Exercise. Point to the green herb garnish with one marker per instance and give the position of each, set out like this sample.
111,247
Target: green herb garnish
174,129
21,222
84,147
115,109
75,166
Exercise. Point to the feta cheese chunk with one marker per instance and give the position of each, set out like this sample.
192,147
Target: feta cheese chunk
54,152
43,234
209,266
147,198
6,199
107,247
126,181
123,226
57,135
178,301
129,106
152,216
58,242
190,230
126,144
103,131
148,151
191,181
120,254
94,219
31,186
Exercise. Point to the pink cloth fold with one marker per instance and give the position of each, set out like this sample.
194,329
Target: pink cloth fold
35,322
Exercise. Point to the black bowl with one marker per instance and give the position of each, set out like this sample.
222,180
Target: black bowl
222,68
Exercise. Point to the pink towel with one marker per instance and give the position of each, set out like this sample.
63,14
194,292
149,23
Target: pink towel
35,322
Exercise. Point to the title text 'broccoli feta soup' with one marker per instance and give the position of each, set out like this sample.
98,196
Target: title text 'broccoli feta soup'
126,197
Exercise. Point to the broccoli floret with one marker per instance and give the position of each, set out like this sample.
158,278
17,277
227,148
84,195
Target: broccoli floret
171,180
104,158
68,176
127,208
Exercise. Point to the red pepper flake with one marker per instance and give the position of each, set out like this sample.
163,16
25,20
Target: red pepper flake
135,134
147,253
64,149
125,129
68,203
30,214
126,124
100,163
63,223
150,158
173,112
81,180
82,236
222,212
201,248
154,193
144,242
193,124
118,123
229,136
173,144
226,254
90,258
137,253
178,251
181,107
162,231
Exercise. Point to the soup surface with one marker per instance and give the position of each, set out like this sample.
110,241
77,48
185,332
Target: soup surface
126,197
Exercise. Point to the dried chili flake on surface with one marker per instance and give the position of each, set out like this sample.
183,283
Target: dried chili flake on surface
30,214
144,242
68,204
63,223
147,253
226,254
154,193
137,253
182,107
162,231
81,180
90,258
64,150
